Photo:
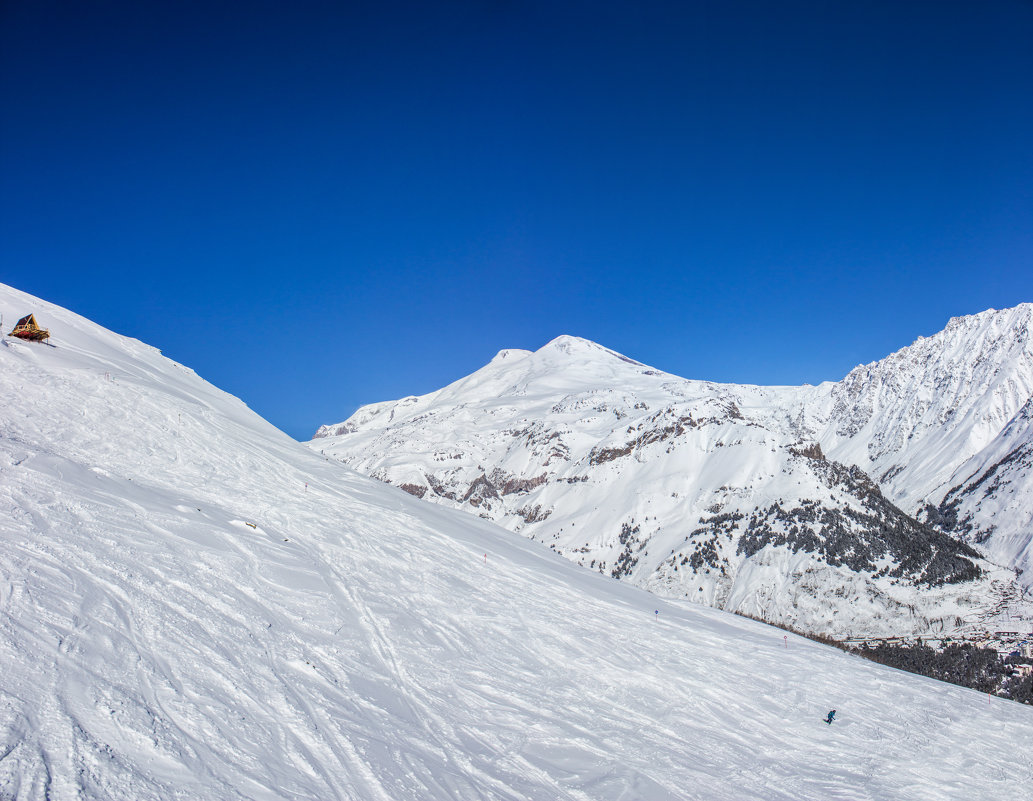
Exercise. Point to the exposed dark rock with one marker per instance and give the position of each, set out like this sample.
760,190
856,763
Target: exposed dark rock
812,451
860,538
534,514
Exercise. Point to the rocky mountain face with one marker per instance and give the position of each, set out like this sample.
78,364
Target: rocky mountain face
946,422
990,501
881,504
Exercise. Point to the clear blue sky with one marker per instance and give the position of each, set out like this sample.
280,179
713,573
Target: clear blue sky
319,205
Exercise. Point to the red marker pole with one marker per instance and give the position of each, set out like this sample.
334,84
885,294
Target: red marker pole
786,638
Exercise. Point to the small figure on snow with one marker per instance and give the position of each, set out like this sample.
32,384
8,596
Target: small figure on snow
831,717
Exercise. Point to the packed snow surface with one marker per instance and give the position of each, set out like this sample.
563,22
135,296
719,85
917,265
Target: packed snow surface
193,606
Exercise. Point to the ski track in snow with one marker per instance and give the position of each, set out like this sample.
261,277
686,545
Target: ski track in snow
192,606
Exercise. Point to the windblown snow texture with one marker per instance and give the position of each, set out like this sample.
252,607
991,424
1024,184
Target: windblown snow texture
808,505
193,606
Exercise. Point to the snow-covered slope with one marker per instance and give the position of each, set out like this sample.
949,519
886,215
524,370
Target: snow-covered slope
913,418
991,496
192,606
748,498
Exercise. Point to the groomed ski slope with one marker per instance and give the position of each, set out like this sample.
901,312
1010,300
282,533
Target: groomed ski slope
181,617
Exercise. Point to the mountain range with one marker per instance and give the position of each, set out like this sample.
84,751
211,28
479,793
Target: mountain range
897,501
194,606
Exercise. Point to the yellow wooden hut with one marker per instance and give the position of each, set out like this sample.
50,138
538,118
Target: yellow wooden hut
28,329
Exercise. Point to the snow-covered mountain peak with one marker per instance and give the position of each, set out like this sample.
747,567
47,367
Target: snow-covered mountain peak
567,343
580,447
912,418
1018,316
581,349
966,341
563,368
510,355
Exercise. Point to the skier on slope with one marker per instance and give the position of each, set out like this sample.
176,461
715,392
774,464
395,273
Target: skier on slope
832,715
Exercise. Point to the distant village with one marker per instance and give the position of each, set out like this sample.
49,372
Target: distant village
1007,643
